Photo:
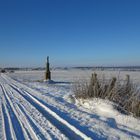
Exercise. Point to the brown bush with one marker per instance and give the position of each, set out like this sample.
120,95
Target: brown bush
124,93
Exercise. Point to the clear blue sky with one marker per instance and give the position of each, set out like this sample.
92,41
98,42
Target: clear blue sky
71,32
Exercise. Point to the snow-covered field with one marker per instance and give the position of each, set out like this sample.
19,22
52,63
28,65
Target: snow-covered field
38,110
72,75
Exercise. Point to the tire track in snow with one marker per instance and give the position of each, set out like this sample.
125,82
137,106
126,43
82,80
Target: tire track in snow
8,131
30,128
37,128
52,117
26,127
23,121
41,126
7,127
31,122
2,132
67,129
17,127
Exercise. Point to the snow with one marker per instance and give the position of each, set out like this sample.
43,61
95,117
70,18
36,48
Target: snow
72,75
39,106
106,109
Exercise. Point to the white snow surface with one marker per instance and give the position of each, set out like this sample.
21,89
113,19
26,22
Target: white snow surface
48,110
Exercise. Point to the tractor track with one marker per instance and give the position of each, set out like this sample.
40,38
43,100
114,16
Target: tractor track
16,100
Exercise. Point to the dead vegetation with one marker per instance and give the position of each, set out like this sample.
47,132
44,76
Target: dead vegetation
124,93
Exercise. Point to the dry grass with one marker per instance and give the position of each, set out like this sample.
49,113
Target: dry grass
124,93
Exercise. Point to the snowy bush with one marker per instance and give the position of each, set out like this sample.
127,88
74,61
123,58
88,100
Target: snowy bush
124,93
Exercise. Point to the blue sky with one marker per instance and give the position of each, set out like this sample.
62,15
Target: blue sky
71,32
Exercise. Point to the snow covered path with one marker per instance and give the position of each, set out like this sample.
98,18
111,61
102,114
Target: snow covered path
25,117
38,110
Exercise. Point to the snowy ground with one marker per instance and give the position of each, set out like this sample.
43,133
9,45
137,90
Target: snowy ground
37,110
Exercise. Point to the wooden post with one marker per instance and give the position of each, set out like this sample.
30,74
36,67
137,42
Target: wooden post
112,84
127,80
93,79
111,87
47,73
128,85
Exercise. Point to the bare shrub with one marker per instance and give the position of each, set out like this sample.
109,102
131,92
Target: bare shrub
124,93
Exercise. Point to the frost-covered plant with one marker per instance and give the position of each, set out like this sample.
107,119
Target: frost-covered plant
125,93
